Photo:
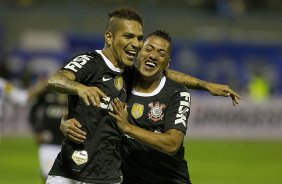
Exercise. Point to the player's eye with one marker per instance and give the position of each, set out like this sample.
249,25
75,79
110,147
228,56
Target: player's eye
162,53
149,49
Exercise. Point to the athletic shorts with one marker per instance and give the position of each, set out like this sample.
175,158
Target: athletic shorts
47,155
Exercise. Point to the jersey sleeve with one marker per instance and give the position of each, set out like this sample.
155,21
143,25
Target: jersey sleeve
83,66
178,111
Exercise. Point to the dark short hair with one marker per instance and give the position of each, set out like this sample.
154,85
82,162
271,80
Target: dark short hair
160,33
128,14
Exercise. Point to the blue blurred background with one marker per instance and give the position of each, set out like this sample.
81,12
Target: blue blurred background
234,42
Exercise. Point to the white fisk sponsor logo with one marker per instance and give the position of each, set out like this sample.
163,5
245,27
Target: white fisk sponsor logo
78,62
183,109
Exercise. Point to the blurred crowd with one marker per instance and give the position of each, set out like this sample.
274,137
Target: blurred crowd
236,5
212,37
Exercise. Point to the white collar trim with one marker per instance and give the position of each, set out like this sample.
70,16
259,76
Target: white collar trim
155,92
109,63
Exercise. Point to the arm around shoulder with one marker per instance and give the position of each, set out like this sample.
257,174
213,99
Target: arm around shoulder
195,83
63,81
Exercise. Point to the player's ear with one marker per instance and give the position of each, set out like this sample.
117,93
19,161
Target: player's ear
108,38
167,66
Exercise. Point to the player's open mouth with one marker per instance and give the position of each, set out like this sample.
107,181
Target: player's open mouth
150,64
130,54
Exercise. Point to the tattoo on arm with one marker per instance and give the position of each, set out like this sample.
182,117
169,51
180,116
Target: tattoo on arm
186,80
63,82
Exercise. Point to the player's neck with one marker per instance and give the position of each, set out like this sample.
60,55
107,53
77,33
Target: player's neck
146,85
108,54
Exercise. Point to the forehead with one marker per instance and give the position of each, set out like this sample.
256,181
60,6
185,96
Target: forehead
157,42
128,26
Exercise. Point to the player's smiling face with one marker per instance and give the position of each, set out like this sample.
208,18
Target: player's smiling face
154,56
127,39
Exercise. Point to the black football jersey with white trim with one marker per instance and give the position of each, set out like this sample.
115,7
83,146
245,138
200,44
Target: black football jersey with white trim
97,159
168,107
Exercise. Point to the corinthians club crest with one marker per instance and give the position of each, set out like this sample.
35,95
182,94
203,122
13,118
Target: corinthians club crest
156,112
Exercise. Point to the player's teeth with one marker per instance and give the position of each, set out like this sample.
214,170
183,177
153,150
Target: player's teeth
151,64
131,53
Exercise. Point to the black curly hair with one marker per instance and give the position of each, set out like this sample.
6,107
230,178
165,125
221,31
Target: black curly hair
160,33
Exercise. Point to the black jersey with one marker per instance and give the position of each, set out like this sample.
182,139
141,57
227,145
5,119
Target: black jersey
97,160
168,107
46,114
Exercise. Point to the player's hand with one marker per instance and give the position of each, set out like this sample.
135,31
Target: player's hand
91,95
223,90
71,129
120,114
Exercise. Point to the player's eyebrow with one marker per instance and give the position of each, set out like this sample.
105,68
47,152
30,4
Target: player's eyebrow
158,49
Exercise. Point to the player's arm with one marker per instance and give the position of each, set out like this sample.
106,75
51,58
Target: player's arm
195,83
168,142
64,81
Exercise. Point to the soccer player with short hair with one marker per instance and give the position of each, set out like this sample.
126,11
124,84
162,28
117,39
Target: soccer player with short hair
97,160
158,111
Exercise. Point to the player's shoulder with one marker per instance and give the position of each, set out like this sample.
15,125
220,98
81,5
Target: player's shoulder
88,56
174,86
85,61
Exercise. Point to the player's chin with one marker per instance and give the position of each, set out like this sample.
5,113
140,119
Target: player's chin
147,74
128,63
